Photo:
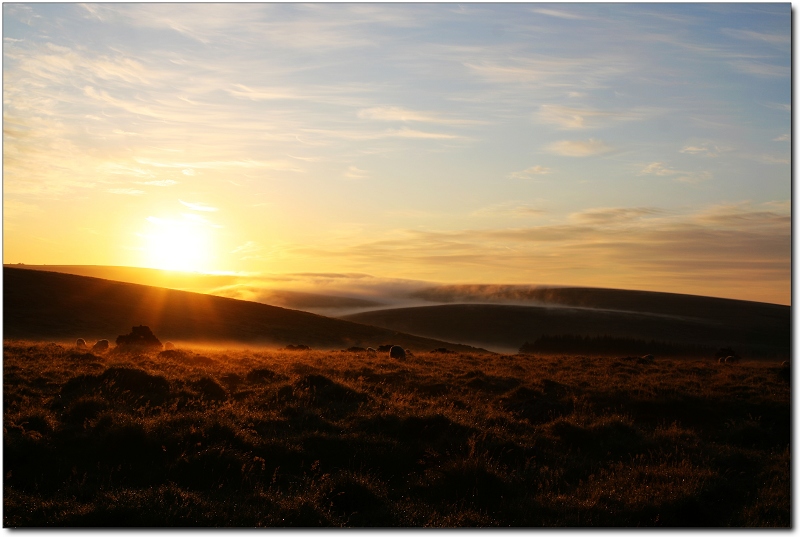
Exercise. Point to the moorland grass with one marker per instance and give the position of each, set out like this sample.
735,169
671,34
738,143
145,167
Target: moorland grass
244,438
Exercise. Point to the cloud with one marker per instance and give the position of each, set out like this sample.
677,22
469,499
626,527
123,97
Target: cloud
220,164
579,148
558,14
657,168
782,138
709,251
614,215
530,172
264,94
197,219
355,173
398,113
760,69
772,159
568,118
247,248
199,206
126,191
695,177
781,40
706,149
160,182
409,133
122,169
513,209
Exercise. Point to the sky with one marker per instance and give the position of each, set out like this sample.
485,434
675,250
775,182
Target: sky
635,146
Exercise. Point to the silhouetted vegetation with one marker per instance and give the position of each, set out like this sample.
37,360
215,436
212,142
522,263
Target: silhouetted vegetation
606,346
253,438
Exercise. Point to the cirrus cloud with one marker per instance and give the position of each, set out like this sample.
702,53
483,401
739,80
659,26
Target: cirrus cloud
579,148
530,172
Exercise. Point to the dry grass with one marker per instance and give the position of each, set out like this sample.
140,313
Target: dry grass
249,438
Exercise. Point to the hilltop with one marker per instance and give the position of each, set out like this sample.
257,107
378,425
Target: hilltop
53,306
691,321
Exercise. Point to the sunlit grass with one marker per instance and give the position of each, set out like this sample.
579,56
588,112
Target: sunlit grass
258,437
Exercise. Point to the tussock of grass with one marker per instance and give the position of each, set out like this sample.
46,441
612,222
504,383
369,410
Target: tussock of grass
201,437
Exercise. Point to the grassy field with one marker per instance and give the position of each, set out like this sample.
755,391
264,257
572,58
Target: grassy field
265,437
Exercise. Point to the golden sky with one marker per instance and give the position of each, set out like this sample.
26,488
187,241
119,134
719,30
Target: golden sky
636,146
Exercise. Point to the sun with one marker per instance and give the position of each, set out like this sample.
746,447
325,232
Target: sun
181,245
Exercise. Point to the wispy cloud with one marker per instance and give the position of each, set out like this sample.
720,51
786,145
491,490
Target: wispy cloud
198,206
558,14
566,117
531,172
777,39
513,209
695,177
705,149
659,169
160,182
760,69
400,114
579,148
126,191
615,215
355,173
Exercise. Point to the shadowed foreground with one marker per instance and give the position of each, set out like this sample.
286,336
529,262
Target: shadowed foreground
325,438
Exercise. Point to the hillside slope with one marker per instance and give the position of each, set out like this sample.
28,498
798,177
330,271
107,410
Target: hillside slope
758,329
48,305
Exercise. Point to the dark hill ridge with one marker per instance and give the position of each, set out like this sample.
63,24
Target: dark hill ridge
597,298
216,284
49,305
751,328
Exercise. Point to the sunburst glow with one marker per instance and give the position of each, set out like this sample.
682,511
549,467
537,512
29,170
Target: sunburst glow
177,245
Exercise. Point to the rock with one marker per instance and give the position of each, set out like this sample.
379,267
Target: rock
100,346
141,337
397,352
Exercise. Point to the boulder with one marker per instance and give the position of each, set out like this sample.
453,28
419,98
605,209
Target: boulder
141,337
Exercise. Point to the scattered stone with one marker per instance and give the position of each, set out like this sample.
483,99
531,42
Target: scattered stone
646,359
397,352
724,352
100,346
81,343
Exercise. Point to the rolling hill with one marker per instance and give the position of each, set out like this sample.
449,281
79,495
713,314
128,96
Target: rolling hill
749,327
53,306
226,285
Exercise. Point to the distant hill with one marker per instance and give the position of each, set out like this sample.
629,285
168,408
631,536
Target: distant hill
54,306
753,328
214,284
